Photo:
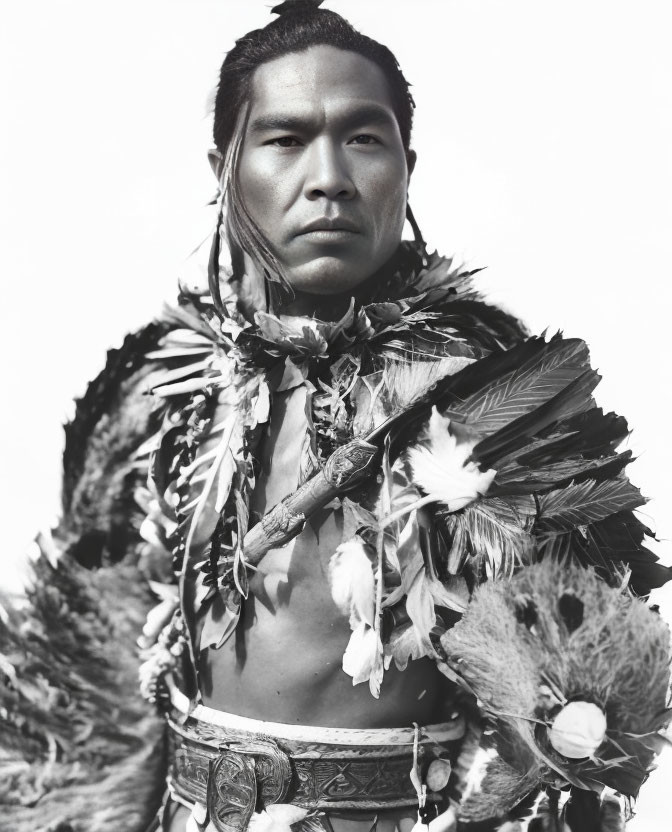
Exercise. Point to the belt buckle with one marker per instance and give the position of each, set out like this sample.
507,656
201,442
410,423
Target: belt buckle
253,771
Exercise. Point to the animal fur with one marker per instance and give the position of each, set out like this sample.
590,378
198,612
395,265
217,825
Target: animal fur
558,627
79,749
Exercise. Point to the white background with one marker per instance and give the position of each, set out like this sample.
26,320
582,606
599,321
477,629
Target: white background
544,136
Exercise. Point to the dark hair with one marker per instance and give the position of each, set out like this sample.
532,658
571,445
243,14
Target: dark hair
300,24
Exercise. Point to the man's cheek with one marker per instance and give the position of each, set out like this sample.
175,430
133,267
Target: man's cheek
392,207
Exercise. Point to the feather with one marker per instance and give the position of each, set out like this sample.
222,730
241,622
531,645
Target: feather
79,746
200,503
189,386
493,530
540,378
185,371
588,434
579,504
574,398
613,546
523,480
407,381
351,582
180,352
440,466
363,657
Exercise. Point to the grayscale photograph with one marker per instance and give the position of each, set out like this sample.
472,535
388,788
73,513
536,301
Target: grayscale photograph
335,428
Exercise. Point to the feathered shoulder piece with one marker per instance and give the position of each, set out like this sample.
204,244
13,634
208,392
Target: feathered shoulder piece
505,463
523,480
79,749
112,420
527,416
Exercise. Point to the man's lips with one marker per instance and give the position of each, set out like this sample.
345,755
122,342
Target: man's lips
324,226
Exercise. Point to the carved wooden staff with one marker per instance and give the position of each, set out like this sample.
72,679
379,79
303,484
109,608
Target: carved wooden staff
346,467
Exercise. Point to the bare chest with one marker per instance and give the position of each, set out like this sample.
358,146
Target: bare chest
303,561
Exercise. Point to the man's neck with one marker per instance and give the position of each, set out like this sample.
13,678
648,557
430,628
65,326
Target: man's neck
328,307
323,307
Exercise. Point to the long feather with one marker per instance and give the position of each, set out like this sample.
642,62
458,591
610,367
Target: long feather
613,546
406,382
525,388
575,397
579,504
590,433
189,386
525,480
520,390
200,504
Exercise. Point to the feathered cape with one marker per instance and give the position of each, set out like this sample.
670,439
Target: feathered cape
538,475
79,749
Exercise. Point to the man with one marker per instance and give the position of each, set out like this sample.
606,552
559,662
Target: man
322,173
322,330
326,329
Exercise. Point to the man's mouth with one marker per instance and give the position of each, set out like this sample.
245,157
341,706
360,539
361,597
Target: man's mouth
326,228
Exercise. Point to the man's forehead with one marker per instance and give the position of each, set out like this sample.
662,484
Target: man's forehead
319,79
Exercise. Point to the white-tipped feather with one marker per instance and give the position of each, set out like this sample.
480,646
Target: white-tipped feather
404,384
199,504
440,468
352,583
363,658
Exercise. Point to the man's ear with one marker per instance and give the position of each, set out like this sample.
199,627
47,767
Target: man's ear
411,159
216,162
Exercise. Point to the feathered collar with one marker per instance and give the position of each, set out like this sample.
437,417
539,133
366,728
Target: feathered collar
423,320
423,303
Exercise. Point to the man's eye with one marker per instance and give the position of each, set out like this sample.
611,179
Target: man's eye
364,138
285,141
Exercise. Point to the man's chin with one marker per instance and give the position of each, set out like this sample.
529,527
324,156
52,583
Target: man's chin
329,276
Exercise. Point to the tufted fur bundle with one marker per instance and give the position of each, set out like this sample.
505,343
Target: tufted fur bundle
557,633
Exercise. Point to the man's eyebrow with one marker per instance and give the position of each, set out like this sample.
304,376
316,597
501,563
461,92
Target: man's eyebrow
366,114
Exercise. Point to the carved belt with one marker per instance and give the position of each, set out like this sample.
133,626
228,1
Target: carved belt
234,772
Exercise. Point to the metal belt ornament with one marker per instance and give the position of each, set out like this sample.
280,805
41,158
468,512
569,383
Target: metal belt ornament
239,780
235,776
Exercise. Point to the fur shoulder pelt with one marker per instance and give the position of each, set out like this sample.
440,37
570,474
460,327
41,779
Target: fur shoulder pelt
79,749
112,419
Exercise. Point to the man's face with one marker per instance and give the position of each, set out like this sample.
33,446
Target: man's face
322,170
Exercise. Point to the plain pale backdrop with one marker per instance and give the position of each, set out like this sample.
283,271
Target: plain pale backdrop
544,136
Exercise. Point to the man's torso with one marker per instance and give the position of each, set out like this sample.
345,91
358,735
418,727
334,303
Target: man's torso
283,663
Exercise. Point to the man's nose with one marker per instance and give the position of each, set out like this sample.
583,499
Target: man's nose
328,174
